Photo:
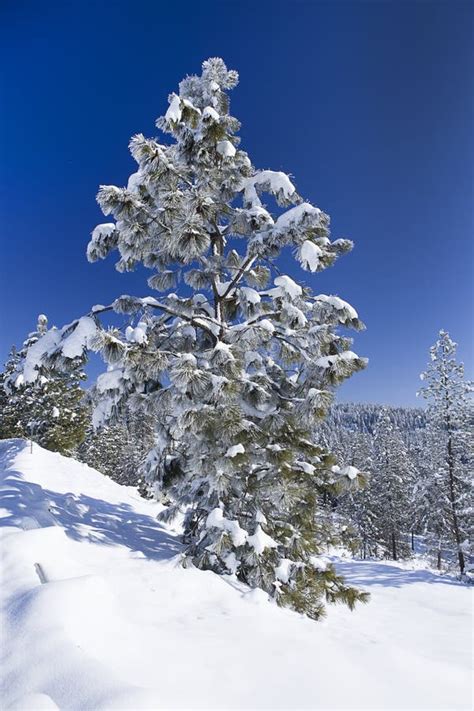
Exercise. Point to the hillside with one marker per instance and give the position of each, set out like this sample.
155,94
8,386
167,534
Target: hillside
98,613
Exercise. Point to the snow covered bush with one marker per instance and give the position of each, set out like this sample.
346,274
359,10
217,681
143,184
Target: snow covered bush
237,363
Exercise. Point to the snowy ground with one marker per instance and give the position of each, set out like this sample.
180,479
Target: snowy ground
117,623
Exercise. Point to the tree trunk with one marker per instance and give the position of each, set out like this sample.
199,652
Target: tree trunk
452,498
413,541
452,488
394,546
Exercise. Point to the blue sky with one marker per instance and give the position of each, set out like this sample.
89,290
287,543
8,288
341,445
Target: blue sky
369,105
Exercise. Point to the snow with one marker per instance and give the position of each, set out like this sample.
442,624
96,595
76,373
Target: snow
99,233
350,472
134,182
232,563
211,113
286,285
310,255
234,450
120,625
137,334
328,361
261,540
295,215
215,519
267,325
55,412
103,230
238,535
222,287
19,380
111,380
226,149
174,109
224,349
306,467
320,563
282,571
73,346
250,295
338,304
275,182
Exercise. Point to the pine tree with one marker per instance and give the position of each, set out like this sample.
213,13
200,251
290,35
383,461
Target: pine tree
237,370
50,410
451,417
10,416
119,448
359,504
390,483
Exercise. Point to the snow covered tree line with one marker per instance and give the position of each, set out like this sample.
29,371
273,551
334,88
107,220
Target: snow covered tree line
118,447
419,465
55,411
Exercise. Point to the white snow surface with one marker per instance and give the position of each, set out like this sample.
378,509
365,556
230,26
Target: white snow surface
285,284
226,149
295,215
118,623
174,110
339,304
310,255
209,112
73,345
261,540
275,182
234,450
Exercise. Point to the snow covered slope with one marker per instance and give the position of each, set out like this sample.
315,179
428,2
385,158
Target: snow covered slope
97,613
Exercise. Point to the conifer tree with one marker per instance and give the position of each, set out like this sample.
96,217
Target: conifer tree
10,416
451,418
48,410
237,365
391,476
119,448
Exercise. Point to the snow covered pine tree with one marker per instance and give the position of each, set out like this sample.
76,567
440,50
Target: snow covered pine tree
391,486
234,368
450,415
51,410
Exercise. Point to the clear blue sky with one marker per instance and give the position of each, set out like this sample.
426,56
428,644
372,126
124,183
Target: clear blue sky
369,105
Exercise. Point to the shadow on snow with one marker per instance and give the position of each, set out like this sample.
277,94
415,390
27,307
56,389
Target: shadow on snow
388,574
27,505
